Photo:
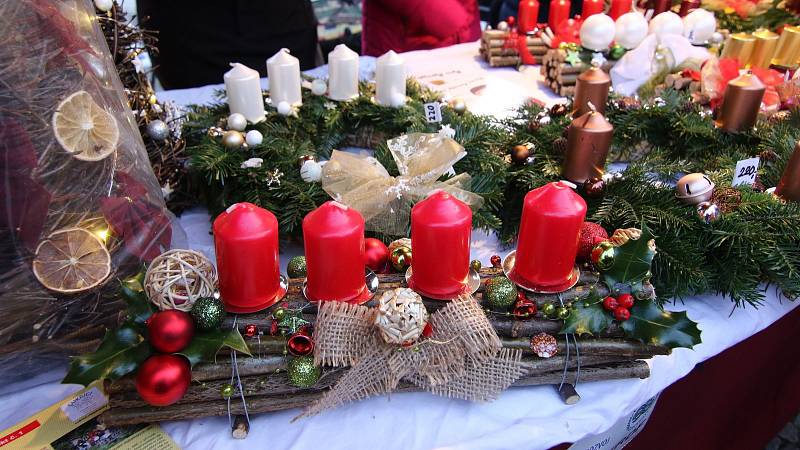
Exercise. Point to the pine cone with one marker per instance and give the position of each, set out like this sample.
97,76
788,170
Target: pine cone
758,186
768,155
560,146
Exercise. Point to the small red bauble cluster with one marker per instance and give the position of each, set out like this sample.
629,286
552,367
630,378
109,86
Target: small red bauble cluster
619,306
163,379
376,255
170,331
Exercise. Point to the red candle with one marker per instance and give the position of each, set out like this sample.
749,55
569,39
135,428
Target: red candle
527,15
334,243
552,216
659,6
440,231
246,243
559,12
619,7
591,7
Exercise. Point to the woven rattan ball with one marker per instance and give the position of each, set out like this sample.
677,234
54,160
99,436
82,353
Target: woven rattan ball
177,278
401,316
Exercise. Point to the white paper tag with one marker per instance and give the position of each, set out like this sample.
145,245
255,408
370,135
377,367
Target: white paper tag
745,172
84,404
433,112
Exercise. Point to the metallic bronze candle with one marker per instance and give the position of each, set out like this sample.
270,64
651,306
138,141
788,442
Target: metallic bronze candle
740,103
739,46
789,186
764,49
588,141
788,50
591,86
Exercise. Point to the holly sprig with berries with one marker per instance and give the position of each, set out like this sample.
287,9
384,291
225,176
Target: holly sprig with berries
624,262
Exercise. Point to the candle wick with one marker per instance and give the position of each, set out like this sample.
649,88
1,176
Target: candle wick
591,106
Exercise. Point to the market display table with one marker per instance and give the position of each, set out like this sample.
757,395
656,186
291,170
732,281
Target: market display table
532,417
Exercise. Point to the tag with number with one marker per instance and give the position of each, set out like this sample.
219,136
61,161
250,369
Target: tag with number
745,172
433,112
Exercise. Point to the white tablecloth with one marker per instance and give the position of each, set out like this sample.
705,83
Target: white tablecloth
522,418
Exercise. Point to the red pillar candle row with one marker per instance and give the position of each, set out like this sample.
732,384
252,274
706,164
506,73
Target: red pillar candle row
559,12
441,226
527,15
591,7
619,7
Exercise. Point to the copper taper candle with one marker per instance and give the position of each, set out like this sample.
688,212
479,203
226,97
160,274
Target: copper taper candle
764,48
739,46
588,141
740,103
591,86
789,186
788,50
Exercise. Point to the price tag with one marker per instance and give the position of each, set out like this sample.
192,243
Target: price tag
745,172
433,112
84,404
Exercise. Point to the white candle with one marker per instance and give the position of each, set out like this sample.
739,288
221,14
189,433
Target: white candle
283,71
243,87
390,80
342,73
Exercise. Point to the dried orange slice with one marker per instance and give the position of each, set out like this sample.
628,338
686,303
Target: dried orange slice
84,129
71,260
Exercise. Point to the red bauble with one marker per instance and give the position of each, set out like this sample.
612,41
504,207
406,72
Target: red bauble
170,331
376,254
591,235
610,304
163,379
622,314
625,300
496,261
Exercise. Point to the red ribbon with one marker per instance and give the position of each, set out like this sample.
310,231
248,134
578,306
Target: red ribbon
519,42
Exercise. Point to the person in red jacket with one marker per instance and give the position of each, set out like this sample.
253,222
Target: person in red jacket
405,25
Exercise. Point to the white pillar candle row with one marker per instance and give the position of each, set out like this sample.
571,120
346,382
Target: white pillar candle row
243,88
390,80
283,71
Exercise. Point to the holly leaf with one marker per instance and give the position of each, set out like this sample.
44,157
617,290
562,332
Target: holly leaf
142,226
206,345
651,324
587,317
119,354
139,308
632,260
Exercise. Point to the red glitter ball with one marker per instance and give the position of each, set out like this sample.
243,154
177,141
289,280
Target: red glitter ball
250,330
496,261
591,235
544,345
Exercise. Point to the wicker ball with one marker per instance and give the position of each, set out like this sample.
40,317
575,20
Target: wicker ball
177,278
401,316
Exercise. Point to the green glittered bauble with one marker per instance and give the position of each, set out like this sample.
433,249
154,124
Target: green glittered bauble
302,371
208,313
296,267
475,265
562,312
616,52
549,310
226,391
500,293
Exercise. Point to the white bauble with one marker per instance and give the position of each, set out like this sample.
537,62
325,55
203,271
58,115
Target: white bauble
311,171
666,23
319,87
597,32
103,5
237,122
284,108
253,138
631,29
502,25
699,26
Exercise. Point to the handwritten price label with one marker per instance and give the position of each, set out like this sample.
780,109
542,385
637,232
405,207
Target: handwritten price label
745,172
433,112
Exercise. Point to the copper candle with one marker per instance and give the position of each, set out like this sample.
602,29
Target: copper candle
588,141
740,103
789,186
591,86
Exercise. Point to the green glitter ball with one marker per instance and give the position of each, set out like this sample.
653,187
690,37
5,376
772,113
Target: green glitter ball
500,293
549,310
279,314
562,312
208,313
296,267
302,371
475,265
226,391
617,51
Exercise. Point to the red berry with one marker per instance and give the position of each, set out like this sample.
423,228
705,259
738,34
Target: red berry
428,330
625,300
622,314
610,303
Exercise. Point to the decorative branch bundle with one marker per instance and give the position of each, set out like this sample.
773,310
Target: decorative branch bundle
560,75
267,388
499,49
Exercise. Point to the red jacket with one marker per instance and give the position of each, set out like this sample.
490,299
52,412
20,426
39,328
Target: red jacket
405,25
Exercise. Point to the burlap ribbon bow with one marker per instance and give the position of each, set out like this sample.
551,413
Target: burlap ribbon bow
462,358
362,183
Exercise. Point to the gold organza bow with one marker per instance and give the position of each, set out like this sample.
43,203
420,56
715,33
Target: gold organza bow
362,183
462,358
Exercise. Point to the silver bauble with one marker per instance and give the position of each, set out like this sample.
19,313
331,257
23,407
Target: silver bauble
311,171
694,188
237,121
157,130
319,87
253,138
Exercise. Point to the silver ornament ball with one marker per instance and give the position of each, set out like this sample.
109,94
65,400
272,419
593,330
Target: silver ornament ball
319,87
103,5
232,140
311,171
708,212
157,130
284,108
237,122
253,138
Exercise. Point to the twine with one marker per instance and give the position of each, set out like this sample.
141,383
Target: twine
177,278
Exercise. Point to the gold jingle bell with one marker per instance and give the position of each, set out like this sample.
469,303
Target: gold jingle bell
694,188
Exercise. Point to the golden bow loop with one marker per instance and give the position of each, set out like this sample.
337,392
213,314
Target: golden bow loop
362,183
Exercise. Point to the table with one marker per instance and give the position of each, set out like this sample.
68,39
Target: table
522,418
